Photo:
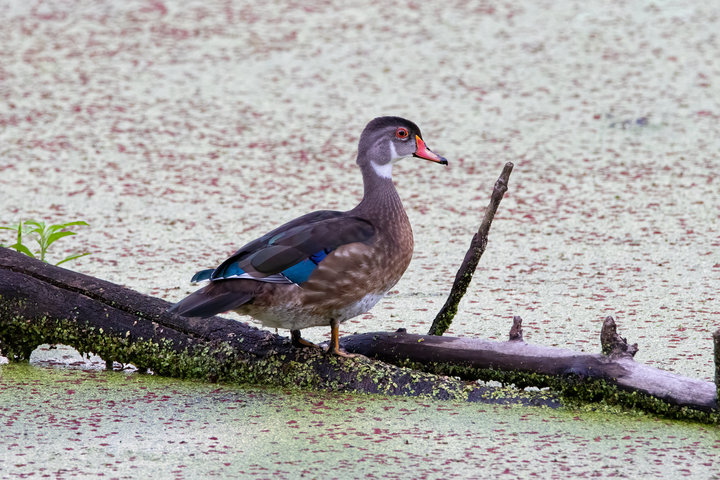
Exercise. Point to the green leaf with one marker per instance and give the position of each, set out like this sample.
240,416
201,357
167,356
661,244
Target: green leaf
56,236
72,257
70,224
19,247
37,231
52,229
19,235
61,226
39,227
45,236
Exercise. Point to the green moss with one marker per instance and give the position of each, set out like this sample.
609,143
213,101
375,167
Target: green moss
220,362
585,394
217,362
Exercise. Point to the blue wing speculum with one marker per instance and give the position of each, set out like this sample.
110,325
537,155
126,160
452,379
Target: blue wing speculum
298,273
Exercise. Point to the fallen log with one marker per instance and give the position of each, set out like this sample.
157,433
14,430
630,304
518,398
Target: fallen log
41,303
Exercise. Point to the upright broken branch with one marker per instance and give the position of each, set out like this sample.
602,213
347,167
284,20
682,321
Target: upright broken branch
477,247
613,344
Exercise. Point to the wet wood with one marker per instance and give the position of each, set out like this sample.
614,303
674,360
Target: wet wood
516,331
36,294
443,355
613,344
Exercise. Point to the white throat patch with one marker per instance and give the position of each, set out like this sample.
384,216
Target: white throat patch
393,153
384,171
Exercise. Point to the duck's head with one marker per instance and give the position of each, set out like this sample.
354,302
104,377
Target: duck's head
386,140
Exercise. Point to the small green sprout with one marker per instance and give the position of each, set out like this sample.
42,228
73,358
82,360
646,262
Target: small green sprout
45,236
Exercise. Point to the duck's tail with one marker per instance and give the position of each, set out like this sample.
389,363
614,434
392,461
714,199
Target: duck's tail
217,297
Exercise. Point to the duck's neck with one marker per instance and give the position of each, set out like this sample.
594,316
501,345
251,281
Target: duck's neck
380,198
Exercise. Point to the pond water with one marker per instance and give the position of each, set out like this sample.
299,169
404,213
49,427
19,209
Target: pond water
181,130
84,422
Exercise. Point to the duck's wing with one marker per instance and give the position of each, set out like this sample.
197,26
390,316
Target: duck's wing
291,252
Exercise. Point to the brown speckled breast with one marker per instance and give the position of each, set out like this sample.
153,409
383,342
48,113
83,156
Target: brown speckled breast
347,283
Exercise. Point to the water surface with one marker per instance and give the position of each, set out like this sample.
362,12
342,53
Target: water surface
73,423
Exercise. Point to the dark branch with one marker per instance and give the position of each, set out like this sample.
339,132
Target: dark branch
41,303
477,247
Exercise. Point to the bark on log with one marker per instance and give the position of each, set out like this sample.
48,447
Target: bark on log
41,303
476,358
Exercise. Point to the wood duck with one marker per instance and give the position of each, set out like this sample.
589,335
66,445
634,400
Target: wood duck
324,267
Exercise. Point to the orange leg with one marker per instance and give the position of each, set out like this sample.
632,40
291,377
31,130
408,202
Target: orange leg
334,347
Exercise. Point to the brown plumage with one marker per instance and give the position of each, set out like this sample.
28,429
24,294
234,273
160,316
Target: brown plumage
324,267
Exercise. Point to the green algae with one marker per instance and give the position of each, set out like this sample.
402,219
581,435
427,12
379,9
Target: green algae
582,393
20,336
72,423
220,362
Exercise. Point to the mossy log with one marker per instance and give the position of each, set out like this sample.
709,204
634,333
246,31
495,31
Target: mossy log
41,303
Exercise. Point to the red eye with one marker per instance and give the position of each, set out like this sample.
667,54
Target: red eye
402,133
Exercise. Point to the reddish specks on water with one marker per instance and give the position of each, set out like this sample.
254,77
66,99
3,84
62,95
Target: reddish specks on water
203,431
142,118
